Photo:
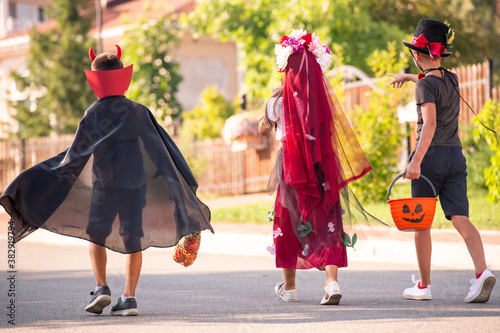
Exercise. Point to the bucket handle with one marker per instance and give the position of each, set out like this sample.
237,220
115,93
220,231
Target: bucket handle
401,176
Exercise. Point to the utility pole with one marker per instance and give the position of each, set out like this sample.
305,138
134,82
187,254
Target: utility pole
98,14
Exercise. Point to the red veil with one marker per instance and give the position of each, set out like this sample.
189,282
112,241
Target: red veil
320,150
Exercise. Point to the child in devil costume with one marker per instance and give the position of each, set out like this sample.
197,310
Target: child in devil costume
122,184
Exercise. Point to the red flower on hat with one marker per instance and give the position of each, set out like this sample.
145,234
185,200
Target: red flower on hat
435,49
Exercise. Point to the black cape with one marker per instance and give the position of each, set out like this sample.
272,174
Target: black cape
120,147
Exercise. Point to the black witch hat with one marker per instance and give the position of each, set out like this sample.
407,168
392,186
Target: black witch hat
432,37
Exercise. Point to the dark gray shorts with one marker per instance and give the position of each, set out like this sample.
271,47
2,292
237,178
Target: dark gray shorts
446,168
106,204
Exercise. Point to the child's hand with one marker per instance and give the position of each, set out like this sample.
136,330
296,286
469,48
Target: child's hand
412,171
398,81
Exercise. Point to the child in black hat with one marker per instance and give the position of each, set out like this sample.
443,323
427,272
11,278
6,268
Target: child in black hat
438,155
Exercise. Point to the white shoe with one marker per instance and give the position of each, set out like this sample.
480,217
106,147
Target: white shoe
334,294
417,293
481,288
286,295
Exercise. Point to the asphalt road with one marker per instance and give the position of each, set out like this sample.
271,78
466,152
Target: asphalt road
228,293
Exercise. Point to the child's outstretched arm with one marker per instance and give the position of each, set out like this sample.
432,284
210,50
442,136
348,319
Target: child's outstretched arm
400,79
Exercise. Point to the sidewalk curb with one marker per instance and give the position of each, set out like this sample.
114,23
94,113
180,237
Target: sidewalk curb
444,254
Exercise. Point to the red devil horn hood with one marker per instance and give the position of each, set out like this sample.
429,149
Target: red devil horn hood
91,54
109,83
118,52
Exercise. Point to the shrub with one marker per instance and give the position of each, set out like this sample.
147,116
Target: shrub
206,121
377,126
245,123
478,155
490,117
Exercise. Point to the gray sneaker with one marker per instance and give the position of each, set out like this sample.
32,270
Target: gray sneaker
127,308
99,300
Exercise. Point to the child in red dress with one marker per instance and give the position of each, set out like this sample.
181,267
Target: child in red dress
319,157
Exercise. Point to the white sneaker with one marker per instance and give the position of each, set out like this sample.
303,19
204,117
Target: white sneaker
481,288
416,293
334,294
286,295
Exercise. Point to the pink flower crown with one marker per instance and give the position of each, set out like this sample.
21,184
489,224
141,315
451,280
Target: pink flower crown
301,40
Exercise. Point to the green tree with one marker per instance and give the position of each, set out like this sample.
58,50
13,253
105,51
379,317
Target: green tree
56,81
377,126
490,116
157,76
256,26
476,23
30,123
206,121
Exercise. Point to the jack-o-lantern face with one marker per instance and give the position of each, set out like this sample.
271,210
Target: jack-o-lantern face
413,216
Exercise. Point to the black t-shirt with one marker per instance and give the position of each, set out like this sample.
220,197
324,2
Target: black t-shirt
440,91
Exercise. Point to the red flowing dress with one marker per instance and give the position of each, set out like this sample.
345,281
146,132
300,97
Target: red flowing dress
320,156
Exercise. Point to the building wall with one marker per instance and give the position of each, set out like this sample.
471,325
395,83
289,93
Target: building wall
13,55
4,11
204,62
26,14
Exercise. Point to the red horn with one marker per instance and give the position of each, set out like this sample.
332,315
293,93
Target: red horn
91,54
118,51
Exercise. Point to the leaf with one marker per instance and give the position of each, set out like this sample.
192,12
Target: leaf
270,214
302,227
304,233
347,238
354,240
348,242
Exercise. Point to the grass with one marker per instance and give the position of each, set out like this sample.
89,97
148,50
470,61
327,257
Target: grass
483,214
251,213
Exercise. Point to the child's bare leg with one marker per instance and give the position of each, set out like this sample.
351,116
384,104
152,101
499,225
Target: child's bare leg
133,271
98,258
423,245
472,239
331,274
289,275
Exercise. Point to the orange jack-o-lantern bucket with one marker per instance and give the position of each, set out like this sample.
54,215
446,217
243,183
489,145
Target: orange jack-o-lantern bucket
412,214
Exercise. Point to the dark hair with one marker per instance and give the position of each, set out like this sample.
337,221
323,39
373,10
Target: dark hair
106,62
